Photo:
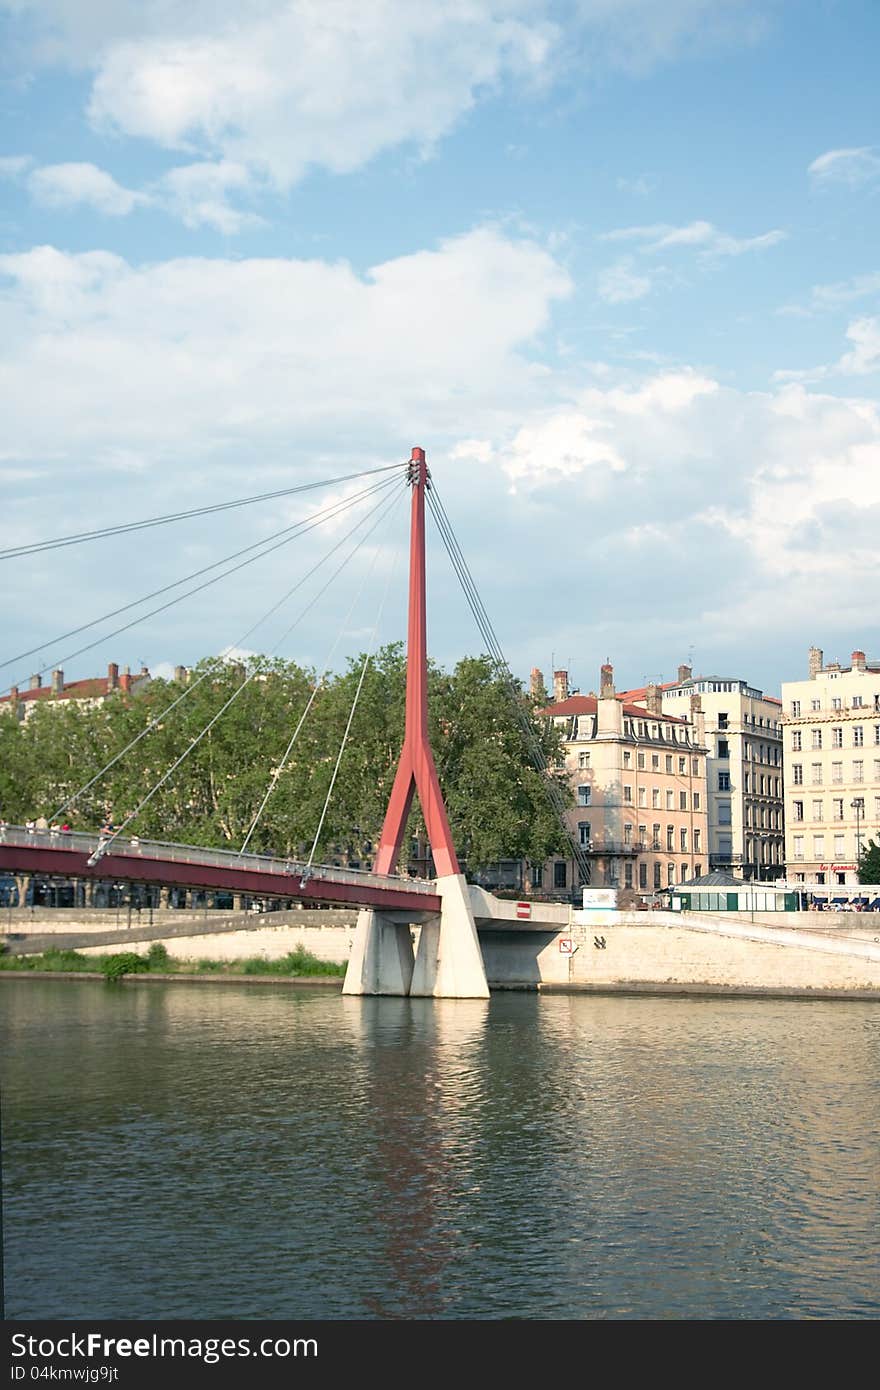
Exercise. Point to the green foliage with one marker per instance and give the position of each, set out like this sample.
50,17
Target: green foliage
497,802
869,864
123,963
298,962
158,957
49,960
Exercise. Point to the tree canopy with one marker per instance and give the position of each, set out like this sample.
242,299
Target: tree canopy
496,800
869,864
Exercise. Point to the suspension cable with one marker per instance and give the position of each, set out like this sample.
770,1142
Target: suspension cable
215,664
166,588
104,843
319,685
294,532
33,548
503,671
354,702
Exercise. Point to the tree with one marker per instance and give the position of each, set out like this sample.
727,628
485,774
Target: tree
869,863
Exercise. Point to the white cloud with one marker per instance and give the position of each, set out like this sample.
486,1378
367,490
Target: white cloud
864,333
12,165
618,284
68,185
659,236
852,167
284,85
197,194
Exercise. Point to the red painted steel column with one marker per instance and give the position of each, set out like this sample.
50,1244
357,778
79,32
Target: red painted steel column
416,770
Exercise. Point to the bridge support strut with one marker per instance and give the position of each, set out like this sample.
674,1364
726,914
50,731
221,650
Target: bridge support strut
448,963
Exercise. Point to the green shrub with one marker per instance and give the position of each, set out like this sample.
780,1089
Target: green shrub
123,963
52,959
158,957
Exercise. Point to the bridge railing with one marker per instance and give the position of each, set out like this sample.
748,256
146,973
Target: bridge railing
167,852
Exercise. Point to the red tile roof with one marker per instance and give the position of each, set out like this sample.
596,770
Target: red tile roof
586,704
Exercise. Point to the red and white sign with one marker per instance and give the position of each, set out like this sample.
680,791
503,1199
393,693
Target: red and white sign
524,909
566,946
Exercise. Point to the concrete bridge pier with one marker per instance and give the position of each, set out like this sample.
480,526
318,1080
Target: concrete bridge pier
449,962
381,960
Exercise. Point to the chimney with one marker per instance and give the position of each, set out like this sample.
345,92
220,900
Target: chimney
698,721
609,710
654,699
180,674
560,686
36,682
858,661
606,681
816,659
125,678
57,682
684,674
113,676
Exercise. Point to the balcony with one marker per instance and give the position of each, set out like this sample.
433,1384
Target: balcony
717,861
597,847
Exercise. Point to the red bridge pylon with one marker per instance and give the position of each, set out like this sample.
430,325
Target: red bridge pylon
448,963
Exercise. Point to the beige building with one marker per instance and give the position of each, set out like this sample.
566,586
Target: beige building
831,735
639,778
743,729
92,691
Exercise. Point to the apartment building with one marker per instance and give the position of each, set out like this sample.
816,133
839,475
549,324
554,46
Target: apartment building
831,736
744,770
92,691
639,778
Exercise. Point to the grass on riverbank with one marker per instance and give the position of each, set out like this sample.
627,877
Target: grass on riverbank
158,962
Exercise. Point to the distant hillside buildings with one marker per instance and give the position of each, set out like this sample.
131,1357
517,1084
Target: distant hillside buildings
92,691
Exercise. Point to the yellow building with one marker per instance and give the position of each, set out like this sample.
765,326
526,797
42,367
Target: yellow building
831,737
639,778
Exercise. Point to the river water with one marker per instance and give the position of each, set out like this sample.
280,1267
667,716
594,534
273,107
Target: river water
257,1152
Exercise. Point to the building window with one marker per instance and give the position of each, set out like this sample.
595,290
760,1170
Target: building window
670,837
670,874
858,771
858,736
643,875
670,800
655,798
684,839
722,721
682,801
583,761
696,801
682,767
837,772
627,758
655,838
839,848
817,811
797,774
857,702
723,748
655,762
668,762
695,762
796,740
698,869
815,705
818,846
724,781
560,873
640,761
584,833
537,875
795,708
628,795
628,874
657,883
627,833
815,738
643,796
798,846
643,836
798,810
697,842
584,795
836,702
723,809
816,774
837,808
877,733
836,738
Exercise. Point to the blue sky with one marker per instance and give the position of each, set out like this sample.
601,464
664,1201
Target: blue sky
614,264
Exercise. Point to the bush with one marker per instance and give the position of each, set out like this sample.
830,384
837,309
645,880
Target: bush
124,963
52,959
158,957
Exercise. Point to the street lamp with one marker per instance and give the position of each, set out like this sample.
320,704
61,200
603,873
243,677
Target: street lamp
858,806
